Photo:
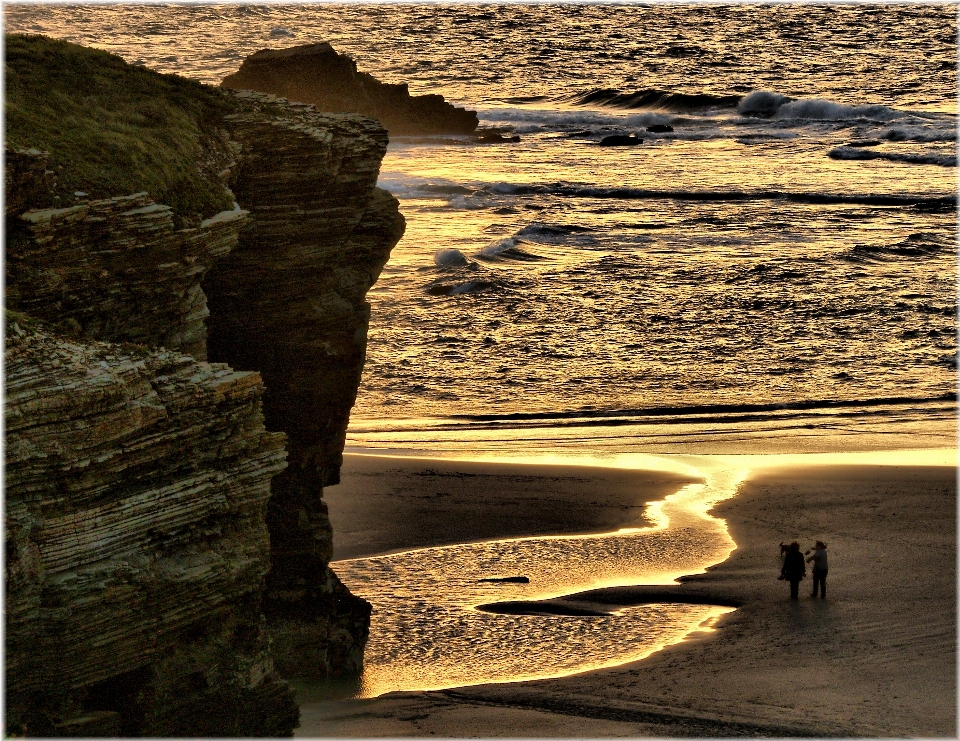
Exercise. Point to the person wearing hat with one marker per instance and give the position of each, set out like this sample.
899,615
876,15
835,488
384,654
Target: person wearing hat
819,559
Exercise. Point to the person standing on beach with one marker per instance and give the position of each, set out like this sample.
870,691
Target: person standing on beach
819,559
794,569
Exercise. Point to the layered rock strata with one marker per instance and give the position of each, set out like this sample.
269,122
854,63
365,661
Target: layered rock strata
317,74
290,303
116,269
136,489
163,571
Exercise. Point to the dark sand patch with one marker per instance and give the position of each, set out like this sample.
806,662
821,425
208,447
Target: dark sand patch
390,504
606,601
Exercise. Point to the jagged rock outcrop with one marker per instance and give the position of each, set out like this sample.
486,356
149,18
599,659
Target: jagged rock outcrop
136,489
290,303
317,74
162,572
117,269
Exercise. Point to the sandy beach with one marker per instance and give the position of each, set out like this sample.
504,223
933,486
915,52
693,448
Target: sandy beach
876,658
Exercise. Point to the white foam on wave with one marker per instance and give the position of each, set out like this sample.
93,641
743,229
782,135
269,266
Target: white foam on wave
768,104
449,258
818,109
499,247
406,186
536,120
923,134
761,103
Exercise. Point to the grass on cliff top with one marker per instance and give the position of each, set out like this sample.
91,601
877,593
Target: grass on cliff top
114,128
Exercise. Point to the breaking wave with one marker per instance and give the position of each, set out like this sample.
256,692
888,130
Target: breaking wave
857,153
767,104
508,249
653,99
450,258
403,186
759,103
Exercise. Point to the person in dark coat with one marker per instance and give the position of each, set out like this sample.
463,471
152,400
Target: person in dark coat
794,569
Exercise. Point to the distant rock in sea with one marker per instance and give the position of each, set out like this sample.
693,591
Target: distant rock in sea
508,579
660,129
493,137
317,74
618,140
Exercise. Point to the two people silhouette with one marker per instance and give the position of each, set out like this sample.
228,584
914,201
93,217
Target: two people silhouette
794,568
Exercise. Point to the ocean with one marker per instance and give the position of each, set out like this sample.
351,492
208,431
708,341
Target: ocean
782,257
791,243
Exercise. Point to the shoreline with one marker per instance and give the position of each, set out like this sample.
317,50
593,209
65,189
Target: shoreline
601,703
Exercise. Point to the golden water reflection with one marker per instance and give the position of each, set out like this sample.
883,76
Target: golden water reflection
426,634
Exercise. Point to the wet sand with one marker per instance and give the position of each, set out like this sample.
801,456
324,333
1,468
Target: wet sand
390,504
876,658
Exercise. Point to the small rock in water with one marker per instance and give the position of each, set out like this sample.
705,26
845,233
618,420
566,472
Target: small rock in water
508,579
660,128
495,138
865,143
619,140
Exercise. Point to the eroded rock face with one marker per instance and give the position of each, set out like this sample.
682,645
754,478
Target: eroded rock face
163,571
116,269
315,73
136,490
290,303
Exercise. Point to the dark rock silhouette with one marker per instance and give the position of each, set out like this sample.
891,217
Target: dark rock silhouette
317,74
618,140
660,128
508,579
493,137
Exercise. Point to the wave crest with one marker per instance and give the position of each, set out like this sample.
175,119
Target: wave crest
923,158
768,104
653,99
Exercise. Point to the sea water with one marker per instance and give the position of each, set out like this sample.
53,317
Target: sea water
793,239
789,248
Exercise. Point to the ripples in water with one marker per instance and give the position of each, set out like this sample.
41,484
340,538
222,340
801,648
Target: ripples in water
425,632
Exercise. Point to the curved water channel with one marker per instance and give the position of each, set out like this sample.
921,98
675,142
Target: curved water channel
425,632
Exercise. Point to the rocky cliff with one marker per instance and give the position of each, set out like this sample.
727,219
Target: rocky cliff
317,74
289,303
166,540
136,484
